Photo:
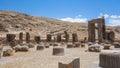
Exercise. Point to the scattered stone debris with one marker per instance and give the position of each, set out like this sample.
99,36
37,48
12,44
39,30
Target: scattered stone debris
94,48
70,45
23,48
74,64
40,47
7,52
58,51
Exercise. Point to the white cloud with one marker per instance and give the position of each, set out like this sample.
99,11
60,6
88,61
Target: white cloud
114,16
114,22
76,19
105,15
111,20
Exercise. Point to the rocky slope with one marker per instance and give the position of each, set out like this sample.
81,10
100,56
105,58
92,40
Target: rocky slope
15,22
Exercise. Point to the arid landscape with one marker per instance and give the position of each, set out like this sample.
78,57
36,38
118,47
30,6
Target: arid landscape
25,51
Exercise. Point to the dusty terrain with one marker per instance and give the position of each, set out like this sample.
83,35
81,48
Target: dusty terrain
45,59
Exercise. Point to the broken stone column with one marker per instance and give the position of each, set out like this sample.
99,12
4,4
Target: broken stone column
58,51
49,38
59,38
109,59
101,30
74,64
10,37
91,31
27,37
37,39
67,38
21,37
7,52
74,37
110,36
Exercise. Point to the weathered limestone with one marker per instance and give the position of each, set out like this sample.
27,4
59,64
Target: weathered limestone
55,44
12,43
70,45
39,47
49,38
109,59
21,37
37,39
7,52
100,27
66,36
74,37
116,44
76,44
30,45
74,64
46,45
91,31
110,36
10,37
59,38
94,48
106,47
27,37
58,51
23,48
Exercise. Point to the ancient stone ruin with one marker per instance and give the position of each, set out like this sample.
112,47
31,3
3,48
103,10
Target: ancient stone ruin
59,39
37,39
109,59
27,37
74,64
110,36
58,51
10,37
74,37
21,37
49,38
99,25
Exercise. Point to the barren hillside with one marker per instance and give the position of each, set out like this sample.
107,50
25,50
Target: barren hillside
16,22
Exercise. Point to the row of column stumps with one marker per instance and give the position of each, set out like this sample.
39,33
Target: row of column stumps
37,39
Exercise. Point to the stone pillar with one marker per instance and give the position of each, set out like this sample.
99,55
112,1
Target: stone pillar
74,37
49,38
110,36
104,28
37,39
27,37
67,38
59,38
101,30
74,64
109,60
21,37
91,31
58,51
10,37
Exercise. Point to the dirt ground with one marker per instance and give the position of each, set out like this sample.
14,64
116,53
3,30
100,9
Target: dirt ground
45,59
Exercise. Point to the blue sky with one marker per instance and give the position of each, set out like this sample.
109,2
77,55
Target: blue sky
67,10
